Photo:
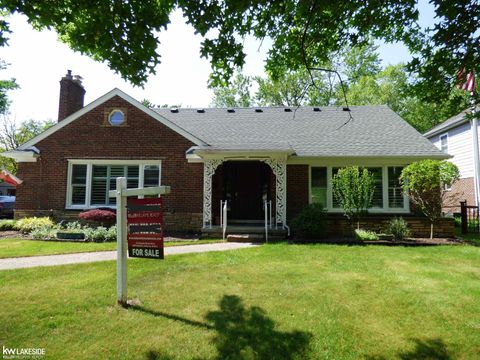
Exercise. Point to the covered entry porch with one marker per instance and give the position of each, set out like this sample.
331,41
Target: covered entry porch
252,185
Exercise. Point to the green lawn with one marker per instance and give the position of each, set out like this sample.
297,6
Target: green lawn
473,239
23,247
272,302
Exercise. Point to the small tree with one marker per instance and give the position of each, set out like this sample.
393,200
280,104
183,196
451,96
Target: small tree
353,188
424,183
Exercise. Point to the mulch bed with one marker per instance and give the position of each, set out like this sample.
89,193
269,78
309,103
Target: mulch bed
13,234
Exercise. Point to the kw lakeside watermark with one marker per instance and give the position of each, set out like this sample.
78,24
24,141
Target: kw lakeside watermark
22,353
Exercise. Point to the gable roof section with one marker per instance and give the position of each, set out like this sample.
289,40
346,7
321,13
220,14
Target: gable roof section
115,92
374,131
448,124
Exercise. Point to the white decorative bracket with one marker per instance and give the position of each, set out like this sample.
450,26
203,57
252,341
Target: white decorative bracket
279,169
209,167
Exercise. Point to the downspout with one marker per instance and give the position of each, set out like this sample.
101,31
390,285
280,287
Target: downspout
476,159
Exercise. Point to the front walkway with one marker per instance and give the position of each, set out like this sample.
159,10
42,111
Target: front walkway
77,258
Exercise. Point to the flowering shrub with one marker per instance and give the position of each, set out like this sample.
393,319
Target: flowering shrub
98,215
100,234
28,224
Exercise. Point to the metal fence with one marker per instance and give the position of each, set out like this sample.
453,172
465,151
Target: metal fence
470,218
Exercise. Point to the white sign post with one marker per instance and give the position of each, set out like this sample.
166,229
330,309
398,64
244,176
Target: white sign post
121,194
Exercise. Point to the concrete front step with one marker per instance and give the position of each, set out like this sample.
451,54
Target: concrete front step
249,233
245,238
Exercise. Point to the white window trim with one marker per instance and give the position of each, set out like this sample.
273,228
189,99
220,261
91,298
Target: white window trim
90,162
373,210
110,117
445,136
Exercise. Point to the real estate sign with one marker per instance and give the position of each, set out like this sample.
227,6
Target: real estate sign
145,228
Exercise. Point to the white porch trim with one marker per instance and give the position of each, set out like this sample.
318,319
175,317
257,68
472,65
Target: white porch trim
276,161
279,169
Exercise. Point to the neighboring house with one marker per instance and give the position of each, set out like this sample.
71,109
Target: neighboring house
454,137
243,155
8,183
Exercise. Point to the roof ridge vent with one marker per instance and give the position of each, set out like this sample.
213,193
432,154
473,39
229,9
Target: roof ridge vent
317,109
258,110
200,111
346,108
174,110
230,110
287,110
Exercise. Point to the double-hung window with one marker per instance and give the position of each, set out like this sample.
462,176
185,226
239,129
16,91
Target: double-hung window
89,182
387,195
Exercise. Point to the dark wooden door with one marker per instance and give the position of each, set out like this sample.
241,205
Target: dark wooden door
246,185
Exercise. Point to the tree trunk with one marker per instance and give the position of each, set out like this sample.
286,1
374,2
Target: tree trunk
431,230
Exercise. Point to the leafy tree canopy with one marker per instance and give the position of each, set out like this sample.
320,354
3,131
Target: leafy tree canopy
303,33
365,83
5,86
13,135
353,188
424,182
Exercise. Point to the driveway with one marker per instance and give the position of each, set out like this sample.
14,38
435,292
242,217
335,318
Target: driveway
77,258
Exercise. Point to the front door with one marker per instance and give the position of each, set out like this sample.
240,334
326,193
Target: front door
246,186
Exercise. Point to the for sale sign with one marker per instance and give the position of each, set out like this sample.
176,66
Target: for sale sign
145,228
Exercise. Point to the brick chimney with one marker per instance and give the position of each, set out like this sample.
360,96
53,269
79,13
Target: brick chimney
71,95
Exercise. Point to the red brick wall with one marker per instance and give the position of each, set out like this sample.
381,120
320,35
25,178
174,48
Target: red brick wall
297,189
338,225
89,137
462,190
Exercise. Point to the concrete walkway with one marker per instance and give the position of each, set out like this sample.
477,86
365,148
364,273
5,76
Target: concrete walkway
77,258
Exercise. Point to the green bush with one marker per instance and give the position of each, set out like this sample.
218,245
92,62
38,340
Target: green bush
398,228
7,225
74,226
310,223
112,234
365,235
28,224
44,233
100,234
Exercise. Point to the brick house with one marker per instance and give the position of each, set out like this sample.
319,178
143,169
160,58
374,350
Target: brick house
243,155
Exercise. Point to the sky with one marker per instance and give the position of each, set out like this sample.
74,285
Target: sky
37,60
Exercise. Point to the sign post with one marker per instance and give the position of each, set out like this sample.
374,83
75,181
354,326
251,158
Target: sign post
146,228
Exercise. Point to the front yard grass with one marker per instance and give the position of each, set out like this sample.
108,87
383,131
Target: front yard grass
271,302
23,247
473,239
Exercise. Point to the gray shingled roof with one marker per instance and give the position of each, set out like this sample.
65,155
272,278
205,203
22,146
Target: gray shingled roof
448,124
374,131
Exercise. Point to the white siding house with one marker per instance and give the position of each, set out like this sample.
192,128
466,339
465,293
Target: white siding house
454,136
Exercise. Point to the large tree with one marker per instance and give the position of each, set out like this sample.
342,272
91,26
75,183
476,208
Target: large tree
5,86
237,94
304,33
13,135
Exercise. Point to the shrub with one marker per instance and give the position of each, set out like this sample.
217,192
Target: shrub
102,216
112,234
310,223
365,235
44,233
7,225
73,226
28,224
353,188
423,182
398,228
99,234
